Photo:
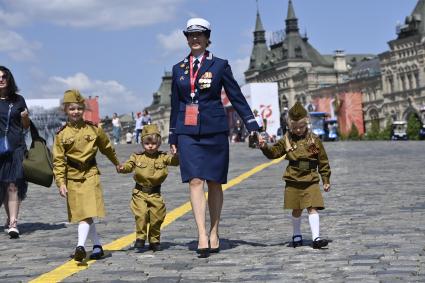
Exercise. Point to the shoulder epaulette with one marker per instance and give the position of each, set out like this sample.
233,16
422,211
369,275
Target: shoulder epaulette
61,128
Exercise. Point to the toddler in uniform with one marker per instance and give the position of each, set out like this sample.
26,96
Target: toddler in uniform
76,172
307,160
150,171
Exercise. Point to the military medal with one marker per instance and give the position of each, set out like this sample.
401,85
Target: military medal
205,80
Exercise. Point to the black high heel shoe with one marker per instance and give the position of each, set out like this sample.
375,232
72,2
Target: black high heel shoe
214,250
298,243
203,253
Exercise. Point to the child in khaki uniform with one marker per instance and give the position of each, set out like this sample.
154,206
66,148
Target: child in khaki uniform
150,171
307,159
76,172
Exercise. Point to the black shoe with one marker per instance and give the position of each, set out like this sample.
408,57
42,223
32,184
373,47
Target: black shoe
155,247
139,244
203,253
319,243
97,255
214,250
80,253
298,243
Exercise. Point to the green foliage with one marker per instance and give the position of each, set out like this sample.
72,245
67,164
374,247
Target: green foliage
373,132
354,133
413,127
385,134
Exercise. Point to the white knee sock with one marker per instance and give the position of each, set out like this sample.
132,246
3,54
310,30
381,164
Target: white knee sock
314,221
83,231
296,224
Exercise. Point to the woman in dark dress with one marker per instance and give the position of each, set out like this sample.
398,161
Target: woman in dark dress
199,129
13,187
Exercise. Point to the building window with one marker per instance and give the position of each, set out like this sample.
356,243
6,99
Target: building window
403,82
391,84
410,83
298,53
416,74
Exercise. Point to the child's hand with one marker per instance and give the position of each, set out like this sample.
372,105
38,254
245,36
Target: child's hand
326,187
262,142
120,168
63,191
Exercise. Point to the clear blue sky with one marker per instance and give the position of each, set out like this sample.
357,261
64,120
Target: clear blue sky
119,50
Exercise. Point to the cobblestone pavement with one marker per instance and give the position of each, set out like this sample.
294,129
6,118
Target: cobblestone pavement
374,216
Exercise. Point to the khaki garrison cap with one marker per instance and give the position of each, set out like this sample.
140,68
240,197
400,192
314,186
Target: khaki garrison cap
297,112
73,96
151,129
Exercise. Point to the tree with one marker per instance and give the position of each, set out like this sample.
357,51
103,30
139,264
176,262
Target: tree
354,133
413,127
373,132
385,134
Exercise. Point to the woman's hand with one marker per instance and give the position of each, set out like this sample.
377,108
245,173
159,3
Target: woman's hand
326,187
173,149
63,191
25,114
25,119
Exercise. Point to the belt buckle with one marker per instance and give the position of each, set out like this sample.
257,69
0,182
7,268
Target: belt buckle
304,165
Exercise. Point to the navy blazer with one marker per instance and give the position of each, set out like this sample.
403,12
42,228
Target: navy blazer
212,117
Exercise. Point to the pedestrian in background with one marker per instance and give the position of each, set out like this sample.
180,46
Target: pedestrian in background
129,137
146,118
199,130
76,173
116,128
138,126
14,120
307,160
150,171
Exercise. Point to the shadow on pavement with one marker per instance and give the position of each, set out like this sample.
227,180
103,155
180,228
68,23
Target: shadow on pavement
28,228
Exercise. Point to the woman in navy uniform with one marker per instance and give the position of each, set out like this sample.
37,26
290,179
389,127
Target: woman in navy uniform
199,128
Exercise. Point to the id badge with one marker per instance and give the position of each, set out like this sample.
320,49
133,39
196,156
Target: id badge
191,115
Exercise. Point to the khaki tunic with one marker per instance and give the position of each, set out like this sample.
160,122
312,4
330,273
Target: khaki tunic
302,188
80,143
149,171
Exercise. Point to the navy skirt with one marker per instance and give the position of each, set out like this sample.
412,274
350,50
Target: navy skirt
11,171
204,156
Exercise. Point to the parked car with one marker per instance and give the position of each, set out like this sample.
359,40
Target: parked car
422,132
331,130
317,123
399,130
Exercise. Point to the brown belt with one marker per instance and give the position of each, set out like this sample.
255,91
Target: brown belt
152,190
81,165
304,164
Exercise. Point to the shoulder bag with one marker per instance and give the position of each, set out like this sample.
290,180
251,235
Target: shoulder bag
38,166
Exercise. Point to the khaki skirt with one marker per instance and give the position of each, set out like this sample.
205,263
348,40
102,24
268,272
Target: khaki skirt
301,197
85,199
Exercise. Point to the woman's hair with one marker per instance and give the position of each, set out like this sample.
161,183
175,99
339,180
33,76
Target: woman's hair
153,138
11,89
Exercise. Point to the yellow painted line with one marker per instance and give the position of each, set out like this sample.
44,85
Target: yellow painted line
71,267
